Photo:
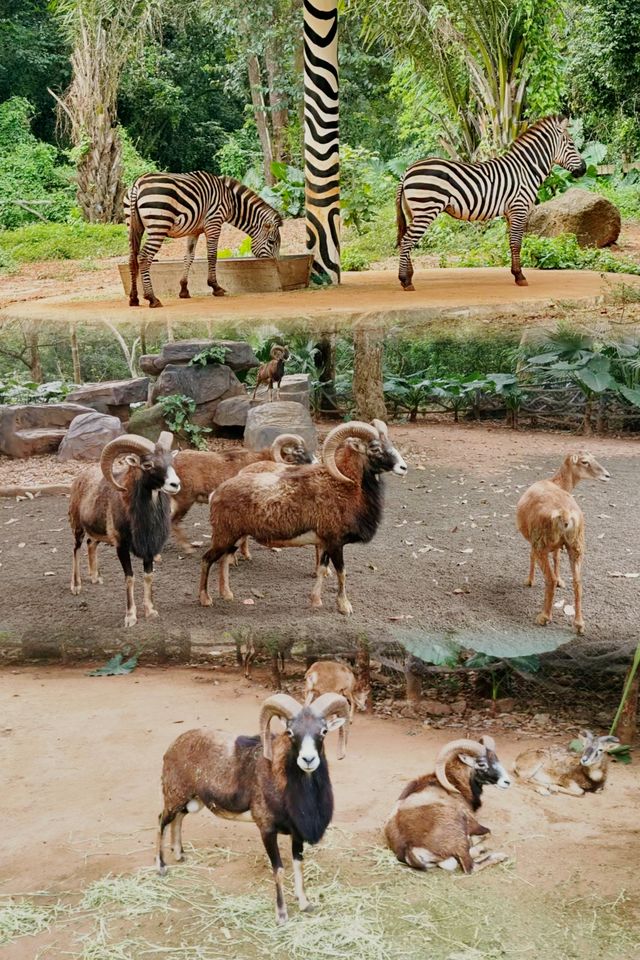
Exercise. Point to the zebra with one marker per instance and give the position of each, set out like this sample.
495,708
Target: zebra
186,205
503,186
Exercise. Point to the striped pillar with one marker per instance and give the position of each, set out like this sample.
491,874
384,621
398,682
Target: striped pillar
321,137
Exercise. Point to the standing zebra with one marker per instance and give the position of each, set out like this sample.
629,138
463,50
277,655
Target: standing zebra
186,205
504,186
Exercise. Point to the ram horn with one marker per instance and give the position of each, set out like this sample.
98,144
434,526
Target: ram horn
488,742
116,448
335,704
277,351
279,705
382,428
356,428
285,440
450,750
165,440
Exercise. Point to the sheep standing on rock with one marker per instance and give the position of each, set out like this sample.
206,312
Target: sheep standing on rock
272,371
279,782
548,517
128,508
327,505
433,822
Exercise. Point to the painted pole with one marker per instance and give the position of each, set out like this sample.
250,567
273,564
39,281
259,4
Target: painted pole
321,137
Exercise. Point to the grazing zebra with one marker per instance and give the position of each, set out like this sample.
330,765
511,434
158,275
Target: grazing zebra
186,205
504,186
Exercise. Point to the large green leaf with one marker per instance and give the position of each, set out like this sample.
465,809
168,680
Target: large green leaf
598,379
521,646
115,667
633,396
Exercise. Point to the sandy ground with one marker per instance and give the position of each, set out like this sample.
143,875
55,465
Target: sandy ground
81,759
446,557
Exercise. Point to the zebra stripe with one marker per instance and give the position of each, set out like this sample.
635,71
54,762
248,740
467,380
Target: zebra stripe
321,136
503,186
186,205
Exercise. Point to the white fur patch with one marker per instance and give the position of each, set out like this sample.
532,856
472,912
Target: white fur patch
194,806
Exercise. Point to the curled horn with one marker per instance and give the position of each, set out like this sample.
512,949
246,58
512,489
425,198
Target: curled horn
285,440
382,428
334,703
488,742
451,750
165,440
116,448
279,705
356,428
278,351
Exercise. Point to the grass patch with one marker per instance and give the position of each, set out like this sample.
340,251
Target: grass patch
23,918
368,907
62,241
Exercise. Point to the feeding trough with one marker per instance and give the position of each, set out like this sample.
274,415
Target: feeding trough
235,274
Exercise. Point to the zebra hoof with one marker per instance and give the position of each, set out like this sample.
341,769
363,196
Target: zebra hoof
219,292
522,282
155,303
134,303
184,295
408,286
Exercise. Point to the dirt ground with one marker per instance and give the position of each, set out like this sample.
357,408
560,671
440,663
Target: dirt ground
447,557
81,760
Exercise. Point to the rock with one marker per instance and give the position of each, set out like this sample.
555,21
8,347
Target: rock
202,384
269,420
111,393
238,356
148,363
205,412
540,718
27,430
87,435
505,704
459,706
295,387
594,220
147,422
437,709
232,412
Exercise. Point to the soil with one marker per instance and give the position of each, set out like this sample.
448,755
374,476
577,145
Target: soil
446,557
81,761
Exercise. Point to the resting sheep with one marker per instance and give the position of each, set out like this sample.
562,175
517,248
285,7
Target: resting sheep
548,517
433,822
559,771
202,472
327,505
128,508
279,782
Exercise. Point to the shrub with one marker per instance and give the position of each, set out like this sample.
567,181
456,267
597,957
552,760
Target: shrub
63,241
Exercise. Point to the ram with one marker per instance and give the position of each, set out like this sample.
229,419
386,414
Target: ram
555,770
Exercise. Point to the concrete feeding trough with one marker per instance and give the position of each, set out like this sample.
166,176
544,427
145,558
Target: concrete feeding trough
235,274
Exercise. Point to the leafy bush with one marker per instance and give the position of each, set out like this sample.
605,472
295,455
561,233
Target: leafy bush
63,241
365,184
565,253
177,410
287,193
354,260
134,164
16,389
33,184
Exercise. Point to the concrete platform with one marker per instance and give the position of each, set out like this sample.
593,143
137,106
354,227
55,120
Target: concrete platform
369,298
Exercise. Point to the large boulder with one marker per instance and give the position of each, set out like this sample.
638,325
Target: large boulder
202,384
27,430
594,220
294,387
88,434
269,420
111,393
147,422
232,412
238,354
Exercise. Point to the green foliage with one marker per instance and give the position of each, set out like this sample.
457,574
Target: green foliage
240,152
565,253
287,193
365,184
116,667
59,241
134,165
177,410
33,185
216,353
18,389
520,648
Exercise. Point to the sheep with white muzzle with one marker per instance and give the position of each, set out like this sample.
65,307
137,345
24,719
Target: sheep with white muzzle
327,505
272,371
555,770
201,472
281,782
128,508
433,822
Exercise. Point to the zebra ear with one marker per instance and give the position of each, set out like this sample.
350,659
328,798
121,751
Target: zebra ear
564,123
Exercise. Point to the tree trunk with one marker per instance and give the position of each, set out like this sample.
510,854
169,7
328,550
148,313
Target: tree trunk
368,393
260,116
325,363
413,681
35,364
628,723
100,189
75,355
363,667
277,103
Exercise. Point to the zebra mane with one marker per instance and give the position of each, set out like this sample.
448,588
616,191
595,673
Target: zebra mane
258,206
544,123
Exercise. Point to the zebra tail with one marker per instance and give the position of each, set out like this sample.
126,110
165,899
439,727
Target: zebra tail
401,220
134,223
